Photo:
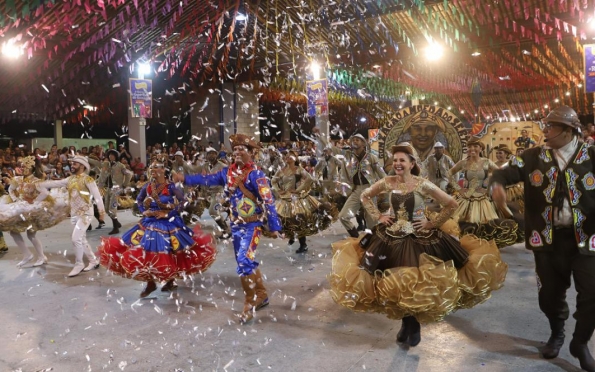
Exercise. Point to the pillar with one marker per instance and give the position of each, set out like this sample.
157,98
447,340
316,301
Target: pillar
137,137
58,134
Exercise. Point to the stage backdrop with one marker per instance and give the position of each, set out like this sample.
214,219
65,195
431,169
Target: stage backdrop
423,125
507,132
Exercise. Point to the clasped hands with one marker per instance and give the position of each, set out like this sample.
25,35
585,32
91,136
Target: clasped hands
418,224
156,214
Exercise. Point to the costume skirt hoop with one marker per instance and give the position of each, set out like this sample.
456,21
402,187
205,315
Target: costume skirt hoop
303,216
158,250
426,277
21,216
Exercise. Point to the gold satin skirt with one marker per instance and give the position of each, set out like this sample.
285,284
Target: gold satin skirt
516,194
429,291
304,216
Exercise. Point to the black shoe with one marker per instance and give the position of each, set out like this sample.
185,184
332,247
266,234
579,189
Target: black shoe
353,233
414,332
403,332
114,231
89,228
117,223
291,241
553,345
581,351
302,249
361,227
101,224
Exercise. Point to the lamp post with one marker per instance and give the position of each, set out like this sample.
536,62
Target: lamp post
318,99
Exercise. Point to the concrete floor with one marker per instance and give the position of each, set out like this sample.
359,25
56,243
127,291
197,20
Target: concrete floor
95,322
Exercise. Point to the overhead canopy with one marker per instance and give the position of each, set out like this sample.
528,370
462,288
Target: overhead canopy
502,58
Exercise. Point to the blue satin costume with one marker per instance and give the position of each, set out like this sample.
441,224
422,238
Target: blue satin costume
245,236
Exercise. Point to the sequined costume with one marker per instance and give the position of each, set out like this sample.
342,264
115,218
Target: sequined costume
476,212
82,189
400,271
301,214
18,215
251,204
158,249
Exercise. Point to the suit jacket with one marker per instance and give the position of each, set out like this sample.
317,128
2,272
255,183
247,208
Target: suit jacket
120,175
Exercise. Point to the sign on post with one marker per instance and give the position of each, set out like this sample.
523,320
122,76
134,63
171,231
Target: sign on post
141,97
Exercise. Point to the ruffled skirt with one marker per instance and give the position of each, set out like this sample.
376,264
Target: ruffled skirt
425,281
304,216
21,216
158,250
477,216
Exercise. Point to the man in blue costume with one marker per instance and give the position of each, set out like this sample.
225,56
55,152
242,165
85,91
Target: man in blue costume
252,202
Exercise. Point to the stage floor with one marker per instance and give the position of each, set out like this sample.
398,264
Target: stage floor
96,322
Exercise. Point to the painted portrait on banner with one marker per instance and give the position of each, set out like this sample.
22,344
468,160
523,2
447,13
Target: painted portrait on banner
423,126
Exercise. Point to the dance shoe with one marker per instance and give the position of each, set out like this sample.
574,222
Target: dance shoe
78,268
92,266
151,286
25,261
581,351
40,261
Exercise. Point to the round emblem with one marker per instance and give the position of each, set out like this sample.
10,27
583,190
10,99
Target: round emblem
536,178
137,237
246,207
589,181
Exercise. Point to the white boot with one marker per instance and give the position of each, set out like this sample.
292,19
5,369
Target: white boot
92,266
78,268
27,255
41,258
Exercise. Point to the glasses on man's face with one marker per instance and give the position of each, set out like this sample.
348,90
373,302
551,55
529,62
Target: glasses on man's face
549,126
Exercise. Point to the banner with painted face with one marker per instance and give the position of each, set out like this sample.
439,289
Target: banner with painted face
423,126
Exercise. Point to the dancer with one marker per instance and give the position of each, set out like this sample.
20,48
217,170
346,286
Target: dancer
439,165
19,214
160,247
214,194
251,201
116,177
559,181
476,213
502,155
360,170
81,189
408,268
301,214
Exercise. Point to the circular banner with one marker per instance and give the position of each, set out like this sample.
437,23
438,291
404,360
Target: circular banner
423,126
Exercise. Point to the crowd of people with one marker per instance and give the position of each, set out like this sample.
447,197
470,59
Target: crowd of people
428,229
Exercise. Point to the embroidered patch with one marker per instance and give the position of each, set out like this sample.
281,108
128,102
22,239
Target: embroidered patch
589,181
592,243
251,253
579,219
552,175
175,243
545,156
518,161
264,189
246,207
535,239
137,236
583,154
575,194
547,217
538,282
536,178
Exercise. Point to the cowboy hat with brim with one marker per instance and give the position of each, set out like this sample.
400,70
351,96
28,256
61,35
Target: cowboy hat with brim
503,148
81,160
179,153
112,151
242,139
408,149
475,141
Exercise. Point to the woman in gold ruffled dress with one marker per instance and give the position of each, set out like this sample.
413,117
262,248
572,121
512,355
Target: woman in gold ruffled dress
477,213
301,214
408,268
18,213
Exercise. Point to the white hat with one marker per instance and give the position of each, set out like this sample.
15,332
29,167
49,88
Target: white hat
271,148
179,153
81,160
210,149
438,144
360,136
